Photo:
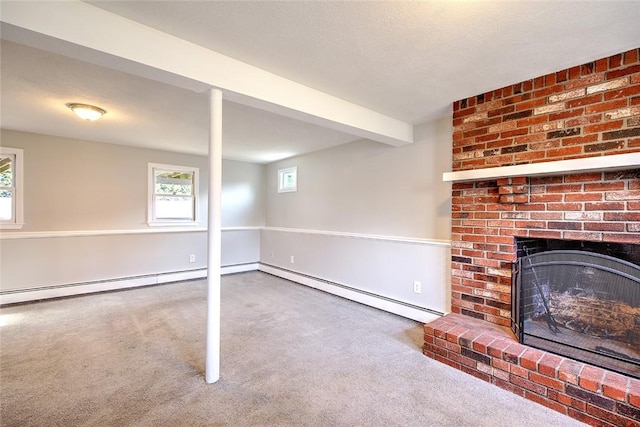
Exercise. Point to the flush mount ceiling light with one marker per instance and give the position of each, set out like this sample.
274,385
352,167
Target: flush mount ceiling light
87,112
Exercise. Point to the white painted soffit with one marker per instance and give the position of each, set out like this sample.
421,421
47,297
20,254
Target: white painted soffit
93,28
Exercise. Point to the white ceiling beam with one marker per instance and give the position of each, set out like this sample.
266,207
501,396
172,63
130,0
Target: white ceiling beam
88,26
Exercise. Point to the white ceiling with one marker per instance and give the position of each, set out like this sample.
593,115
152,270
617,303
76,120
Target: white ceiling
407,60
37,84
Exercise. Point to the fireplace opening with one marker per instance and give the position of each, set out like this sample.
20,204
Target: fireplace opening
580,300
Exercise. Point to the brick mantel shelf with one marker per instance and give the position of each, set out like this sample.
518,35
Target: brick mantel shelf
559,167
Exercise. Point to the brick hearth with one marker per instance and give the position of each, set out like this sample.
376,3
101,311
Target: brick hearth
491,353
585,111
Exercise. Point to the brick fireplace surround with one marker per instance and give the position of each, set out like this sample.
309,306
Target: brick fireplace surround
586,111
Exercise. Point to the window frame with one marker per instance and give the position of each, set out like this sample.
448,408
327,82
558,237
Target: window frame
17,203
281,174
151,196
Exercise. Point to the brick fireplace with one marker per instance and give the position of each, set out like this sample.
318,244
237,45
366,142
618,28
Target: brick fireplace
582,113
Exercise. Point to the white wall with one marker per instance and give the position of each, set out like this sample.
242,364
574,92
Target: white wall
72,184
85,215
367,187
366,222
368,217
243,194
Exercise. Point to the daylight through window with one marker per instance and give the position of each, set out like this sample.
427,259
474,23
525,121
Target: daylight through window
287,180
10,188
173,194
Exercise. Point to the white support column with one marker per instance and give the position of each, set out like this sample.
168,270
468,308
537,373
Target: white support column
214,237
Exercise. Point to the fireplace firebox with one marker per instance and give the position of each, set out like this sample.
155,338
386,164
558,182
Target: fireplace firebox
580,300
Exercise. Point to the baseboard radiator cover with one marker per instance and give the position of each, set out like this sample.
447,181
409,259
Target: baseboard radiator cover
400,308
73,289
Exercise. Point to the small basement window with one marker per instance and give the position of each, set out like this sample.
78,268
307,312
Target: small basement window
173,195
11,213
287,180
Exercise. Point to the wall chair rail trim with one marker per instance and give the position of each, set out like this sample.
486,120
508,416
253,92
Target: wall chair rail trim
83,233
433,242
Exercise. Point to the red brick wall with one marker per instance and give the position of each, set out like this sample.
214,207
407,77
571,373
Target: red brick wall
585,111
588,110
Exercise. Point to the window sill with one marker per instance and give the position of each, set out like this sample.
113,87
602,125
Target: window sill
172,223
11,226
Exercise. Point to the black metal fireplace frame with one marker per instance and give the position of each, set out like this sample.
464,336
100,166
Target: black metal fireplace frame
624,365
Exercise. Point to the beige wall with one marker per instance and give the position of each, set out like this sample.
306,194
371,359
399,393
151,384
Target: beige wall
363,190
243,194
363,187
367,187
73,186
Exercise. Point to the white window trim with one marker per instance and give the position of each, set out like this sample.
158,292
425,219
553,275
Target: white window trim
281,173
151,221
18,200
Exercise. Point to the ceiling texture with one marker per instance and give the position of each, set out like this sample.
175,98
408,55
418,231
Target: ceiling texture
405,60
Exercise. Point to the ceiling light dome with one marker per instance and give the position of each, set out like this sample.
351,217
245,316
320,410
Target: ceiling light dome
87,112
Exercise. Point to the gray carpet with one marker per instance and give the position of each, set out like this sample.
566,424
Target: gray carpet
291,356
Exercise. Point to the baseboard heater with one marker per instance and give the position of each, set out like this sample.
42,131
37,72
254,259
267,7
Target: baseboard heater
391,305
400,308
73,289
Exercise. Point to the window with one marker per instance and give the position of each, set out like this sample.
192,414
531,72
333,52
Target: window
287,180
11,216
173,194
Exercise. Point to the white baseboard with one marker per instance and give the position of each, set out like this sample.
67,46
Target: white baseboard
35,294
181,275
381,303
239,268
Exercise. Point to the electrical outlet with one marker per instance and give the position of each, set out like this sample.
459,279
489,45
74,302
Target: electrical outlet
292,259
417,287
192,258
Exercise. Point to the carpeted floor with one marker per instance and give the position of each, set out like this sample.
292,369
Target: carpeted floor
291,356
